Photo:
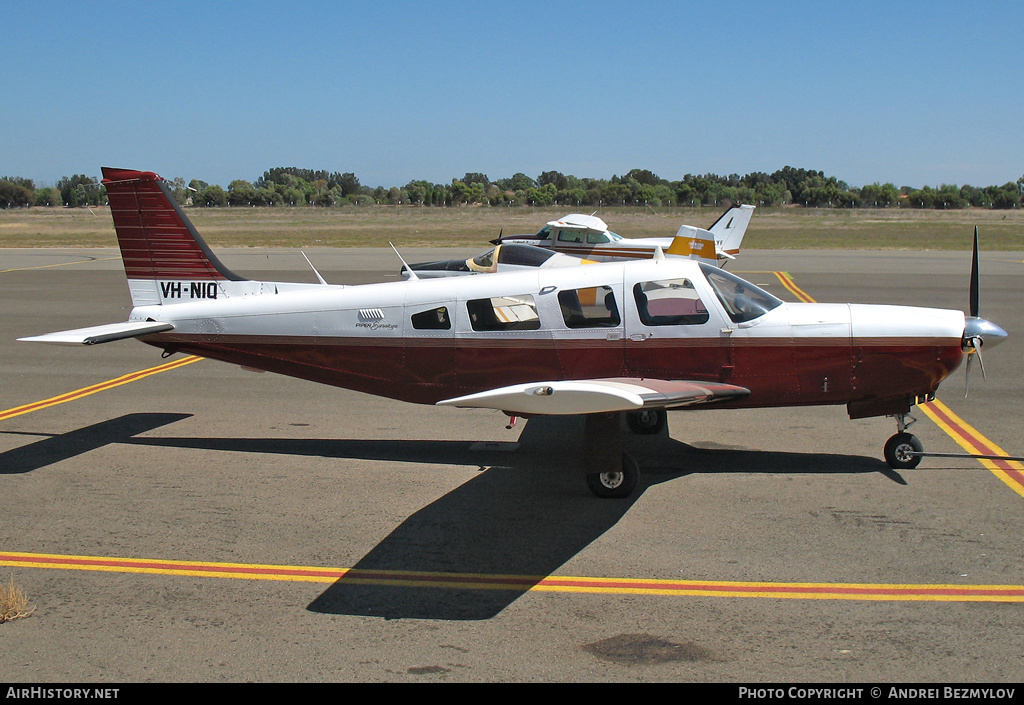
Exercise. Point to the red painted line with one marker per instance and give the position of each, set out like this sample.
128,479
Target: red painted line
524,583
1010,471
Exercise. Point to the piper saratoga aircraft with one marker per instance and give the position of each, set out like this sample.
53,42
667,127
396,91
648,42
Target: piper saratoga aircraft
588,237
634,337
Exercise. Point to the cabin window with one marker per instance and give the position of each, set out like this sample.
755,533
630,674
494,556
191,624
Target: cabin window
501,313
670,302
597,238
570,236
434,319
593,307
742,300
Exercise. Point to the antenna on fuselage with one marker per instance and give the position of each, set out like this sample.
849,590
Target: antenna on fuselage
313,268
412,274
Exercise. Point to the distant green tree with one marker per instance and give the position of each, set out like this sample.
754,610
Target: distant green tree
13,194
1006,196
476,178
556,178
518,182
644,176
210,196
179,191
349,184
241,193
80,190
879,195
47,196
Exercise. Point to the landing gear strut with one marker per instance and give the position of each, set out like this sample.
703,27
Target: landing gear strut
902,451
611,472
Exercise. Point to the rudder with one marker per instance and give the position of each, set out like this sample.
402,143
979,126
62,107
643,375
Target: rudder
157,240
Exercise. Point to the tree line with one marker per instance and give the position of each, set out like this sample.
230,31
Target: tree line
290,186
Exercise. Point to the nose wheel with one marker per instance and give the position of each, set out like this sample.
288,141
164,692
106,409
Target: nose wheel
903,451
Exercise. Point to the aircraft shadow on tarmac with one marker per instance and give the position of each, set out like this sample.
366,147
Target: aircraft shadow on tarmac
525,514
54,448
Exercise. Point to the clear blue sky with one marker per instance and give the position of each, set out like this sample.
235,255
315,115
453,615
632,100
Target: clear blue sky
914,93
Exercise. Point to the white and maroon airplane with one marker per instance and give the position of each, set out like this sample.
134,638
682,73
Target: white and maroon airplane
634,337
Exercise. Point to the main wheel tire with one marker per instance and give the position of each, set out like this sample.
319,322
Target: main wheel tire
615,485
898,451
647,421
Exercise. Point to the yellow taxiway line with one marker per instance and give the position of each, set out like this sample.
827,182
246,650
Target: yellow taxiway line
100,387
523,583
59,264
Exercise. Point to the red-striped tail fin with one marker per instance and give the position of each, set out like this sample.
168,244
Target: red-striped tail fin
157,240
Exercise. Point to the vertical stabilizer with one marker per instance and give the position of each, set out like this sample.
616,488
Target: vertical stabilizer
160,247
729,230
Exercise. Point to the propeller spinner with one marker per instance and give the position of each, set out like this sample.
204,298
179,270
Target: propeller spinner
978,331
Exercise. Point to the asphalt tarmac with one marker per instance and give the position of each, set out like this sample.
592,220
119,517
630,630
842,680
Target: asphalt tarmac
204,523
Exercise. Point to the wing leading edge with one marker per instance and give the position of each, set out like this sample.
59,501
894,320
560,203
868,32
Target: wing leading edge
593,396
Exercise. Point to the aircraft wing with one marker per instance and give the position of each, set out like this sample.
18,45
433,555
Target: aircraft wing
100,334
591,396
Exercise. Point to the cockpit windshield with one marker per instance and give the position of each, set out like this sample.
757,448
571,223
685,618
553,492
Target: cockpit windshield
510,253
485,260
742,300
523,255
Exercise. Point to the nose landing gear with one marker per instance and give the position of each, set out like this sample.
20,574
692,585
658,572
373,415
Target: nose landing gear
903,451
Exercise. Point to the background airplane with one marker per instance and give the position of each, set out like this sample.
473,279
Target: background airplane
513,254
509,257
632,337
588,237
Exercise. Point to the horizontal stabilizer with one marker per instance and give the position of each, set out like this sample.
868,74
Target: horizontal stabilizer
594,396
100,334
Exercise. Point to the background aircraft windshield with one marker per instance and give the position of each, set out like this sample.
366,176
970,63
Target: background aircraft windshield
486,260
525,255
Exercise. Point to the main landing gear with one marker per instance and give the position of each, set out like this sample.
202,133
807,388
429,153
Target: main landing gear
903,451
611,471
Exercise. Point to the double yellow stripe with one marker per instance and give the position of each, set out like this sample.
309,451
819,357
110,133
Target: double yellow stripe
524,583
102,386
967,437
787,281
